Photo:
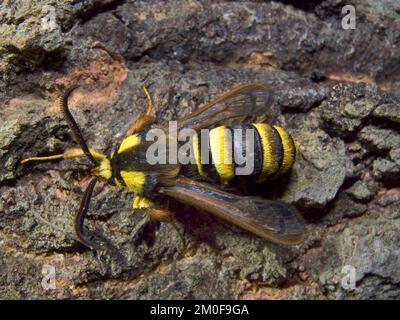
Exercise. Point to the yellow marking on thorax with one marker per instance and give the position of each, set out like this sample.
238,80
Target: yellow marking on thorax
197,154
270,164
129,142
141,202
221,153
103,169
134,180
289,150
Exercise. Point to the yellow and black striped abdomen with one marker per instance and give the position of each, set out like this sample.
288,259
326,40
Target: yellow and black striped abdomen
273,152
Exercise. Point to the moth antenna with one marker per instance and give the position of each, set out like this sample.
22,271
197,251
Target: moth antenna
80,217
76,132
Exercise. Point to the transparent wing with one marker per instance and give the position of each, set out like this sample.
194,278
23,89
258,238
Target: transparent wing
249,101
276,221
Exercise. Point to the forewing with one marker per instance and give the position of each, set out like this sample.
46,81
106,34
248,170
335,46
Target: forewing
276,221
249,102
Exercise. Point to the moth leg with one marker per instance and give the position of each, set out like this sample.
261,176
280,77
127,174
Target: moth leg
156,213
144,120
164,215
69,153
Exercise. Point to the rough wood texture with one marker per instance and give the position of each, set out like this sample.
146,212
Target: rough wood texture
337,91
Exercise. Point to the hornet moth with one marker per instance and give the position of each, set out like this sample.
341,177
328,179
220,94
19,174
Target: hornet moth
274,154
